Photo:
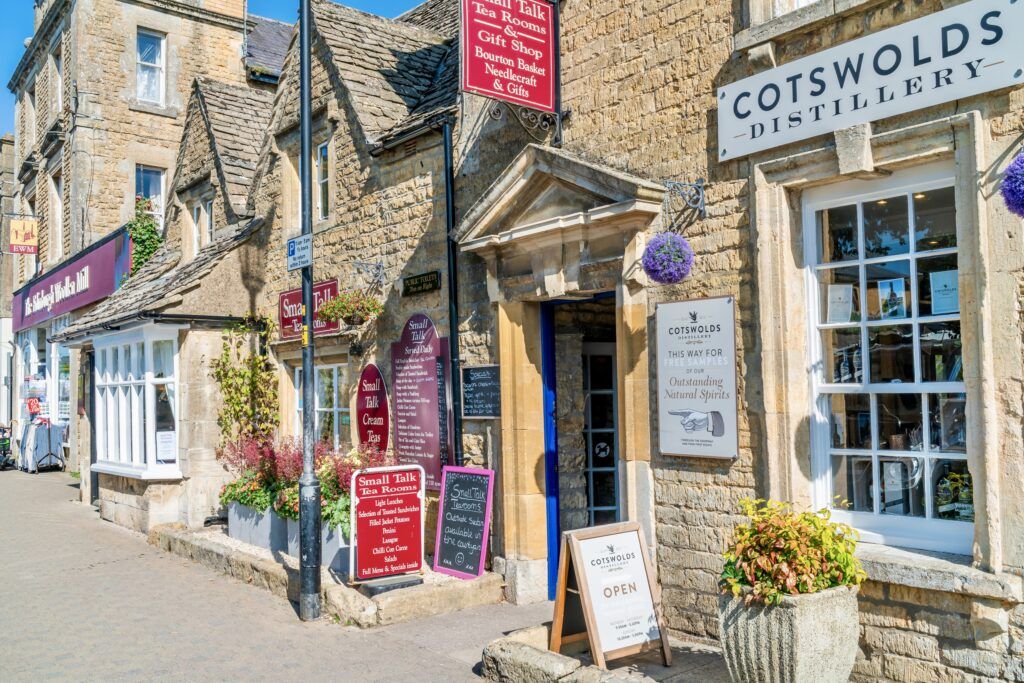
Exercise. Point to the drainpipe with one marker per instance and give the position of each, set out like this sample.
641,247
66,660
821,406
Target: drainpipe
453,289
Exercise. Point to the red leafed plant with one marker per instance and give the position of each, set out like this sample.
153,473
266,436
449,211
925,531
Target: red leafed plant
780,552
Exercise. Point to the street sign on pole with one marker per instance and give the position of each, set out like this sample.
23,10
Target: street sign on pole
300,252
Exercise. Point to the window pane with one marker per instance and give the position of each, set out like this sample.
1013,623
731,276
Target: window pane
602,411
840,295
899,422
902,486
325,426
953,490
602,448
149,185
852,482
149,48
163,359
600,376
165,408
935,219
947,422
148,83
837,234
850,420
604,517
114,373
892,354
604,489
842,346
325,388
885,227
321,164
938,289
941,354
888,294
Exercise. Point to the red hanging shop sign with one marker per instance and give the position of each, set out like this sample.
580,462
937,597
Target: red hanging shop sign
372,412
508,51
387,522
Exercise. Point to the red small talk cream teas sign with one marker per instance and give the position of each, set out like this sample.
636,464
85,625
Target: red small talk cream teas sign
508,51
290,310
372,412
387,521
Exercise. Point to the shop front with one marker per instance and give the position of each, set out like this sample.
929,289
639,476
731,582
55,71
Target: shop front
46,384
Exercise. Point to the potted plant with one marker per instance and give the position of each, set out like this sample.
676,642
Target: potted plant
250,518
788,609
352,307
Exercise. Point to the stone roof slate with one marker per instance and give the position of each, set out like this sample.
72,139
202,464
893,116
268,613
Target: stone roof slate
266,46
160,283
238,118
441,16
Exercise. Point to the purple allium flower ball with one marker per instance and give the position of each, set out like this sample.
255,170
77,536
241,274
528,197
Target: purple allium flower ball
668,258
1012,186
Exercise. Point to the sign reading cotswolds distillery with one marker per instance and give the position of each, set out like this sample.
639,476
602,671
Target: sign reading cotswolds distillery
508,51
956,53
697,412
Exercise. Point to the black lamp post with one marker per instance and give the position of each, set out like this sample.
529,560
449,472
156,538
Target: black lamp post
310,512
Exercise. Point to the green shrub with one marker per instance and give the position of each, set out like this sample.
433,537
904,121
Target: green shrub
780,552
145,233
250,489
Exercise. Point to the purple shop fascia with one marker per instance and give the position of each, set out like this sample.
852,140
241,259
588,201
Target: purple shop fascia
44,305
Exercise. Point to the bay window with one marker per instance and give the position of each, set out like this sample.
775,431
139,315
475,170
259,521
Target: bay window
889,442
136,417
331,410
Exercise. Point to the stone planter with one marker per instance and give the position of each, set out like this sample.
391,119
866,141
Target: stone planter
334,546
805,638
261,529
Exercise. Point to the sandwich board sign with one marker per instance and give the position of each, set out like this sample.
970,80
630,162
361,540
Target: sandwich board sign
387,522
607,594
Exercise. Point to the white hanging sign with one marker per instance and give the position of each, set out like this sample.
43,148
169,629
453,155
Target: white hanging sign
967,50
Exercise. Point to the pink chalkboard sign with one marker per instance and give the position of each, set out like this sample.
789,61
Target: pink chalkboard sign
463,521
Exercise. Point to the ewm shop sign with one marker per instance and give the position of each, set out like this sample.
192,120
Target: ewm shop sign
953,54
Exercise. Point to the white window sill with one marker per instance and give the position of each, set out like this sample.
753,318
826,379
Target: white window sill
154,108
799,20
937,572
160,473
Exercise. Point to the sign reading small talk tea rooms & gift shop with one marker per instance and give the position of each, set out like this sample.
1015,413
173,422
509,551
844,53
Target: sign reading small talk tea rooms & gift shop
697,401
963,51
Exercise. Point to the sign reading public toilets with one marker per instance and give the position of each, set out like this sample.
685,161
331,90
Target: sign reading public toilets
956,53
697,401
508,51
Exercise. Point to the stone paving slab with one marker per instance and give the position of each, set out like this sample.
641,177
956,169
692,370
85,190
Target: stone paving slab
84,600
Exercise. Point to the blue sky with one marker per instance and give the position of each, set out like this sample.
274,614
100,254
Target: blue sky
17,26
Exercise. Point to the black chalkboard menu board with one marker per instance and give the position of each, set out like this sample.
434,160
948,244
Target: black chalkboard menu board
464,521
481,392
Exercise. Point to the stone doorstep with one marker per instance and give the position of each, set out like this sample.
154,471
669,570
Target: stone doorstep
279,574
523,656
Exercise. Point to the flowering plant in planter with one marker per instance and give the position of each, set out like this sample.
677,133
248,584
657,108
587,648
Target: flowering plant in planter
780,552
668,258
352,307
250,489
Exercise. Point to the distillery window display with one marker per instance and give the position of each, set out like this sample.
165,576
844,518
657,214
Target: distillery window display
889,391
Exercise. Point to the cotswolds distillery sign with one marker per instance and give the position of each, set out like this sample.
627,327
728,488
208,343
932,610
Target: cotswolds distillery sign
509,51
949,55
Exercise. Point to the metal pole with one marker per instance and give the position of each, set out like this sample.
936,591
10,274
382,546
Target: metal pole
309,487
453,290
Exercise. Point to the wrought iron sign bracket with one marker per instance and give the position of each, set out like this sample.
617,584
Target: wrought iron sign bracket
683,198
375,271
537,124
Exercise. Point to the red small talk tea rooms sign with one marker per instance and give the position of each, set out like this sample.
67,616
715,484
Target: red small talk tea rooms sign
290,310
372,412
387,522
508,51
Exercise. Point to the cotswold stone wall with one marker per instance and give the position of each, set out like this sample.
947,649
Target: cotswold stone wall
640,78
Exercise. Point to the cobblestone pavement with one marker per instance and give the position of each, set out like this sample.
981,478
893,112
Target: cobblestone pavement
82,599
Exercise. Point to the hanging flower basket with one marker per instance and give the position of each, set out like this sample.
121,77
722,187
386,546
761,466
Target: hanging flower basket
668,258
1012,186
351,307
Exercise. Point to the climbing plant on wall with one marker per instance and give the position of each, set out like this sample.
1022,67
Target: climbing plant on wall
145,234
248,383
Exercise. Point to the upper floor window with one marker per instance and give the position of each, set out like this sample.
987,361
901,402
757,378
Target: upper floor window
30,115
56,80
197,221
149,66
208,210
55,219
323,195
890,400
149,184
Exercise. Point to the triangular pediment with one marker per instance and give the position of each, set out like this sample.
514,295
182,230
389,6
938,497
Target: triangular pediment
545,184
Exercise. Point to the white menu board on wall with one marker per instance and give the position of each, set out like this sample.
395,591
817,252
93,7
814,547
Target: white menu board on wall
697,401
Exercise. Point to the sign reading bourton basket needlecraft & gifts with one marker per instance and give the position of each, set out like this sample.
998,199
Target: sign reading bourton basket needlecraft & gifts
464,521
387,522
607,594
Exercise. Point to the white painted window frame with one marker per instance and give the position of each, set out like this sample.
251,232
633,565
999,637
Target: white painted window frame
160,66
923,533
208,210
322,165
340,408
158,210
118,401
197,219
